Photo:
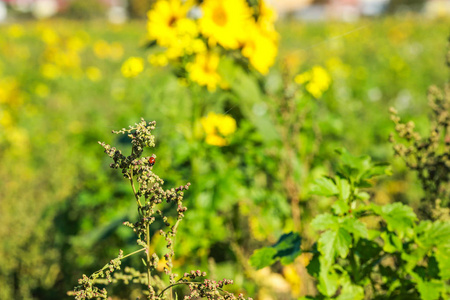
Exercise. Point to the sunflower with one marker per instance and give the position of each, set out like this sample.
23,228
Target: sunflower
204,70
260,48
163,19
223,21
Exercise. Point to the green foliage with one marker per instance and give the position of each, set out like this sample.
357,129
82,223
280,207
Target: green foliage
60,214
399,258
286,249
152,201
429,156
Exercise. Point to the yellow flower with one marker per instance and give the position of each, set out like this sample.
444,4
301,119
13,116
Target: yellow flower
42,90
93,73
132,67
50,71
163,18
204,70
317,81
101,49
16,31
266,19
260,49
49,36
217,127
224,21
159,59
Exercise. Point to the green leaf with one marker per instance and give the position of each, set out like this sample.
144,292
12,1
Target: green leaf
344,188
340,207
355,226
328,283
430,290
367,249
399,217
434,234
391,242
263,257
324,221
313,267
288,247
443,258
362,196
324,186
351,292
334,242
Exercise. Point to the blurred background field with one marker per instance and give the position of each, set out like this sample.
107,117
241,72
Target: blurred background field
62,90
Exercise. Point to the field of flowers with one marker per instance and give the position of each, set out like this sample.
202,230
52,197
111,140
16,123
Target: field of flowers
249,150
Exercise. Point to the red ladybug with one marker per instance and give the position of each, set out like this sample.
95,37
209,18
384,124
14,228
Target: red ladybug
151,161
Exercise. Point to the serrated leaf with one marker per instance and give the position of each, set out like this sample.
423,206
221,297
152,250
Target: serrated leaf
391,242
351,292
362,196
430,290
340,207
328,283
355,226
437,233
443,258
324,187
263,257
334,242
399,217
377,170
288,247
324,221
344,188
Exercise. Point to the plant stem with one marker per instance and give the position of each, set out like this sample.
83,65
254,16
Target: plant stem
149,275
107,265
134,191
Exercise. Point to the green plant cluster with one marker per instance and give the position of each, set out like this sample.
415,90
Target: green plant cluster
59,214
153,205
365,250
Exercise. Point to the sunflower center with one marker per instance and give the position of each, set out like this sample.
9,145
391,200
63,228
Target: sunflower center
172,21
219,16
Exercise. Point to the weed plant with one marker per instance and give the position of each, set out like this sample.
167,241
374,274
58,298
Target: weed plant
153,203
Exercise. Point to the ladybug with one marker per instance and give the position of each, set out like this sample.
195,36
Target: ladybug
151,161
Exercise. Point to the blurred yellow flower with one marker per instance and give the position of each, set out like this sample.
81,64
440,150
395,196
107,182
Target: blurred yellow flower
260,49
42,90
158,59
50,71
75,44
16,31
132,67
5,118
204,70
224,22
317,81
49,36
93,73
266,19
217,127
101,49
163,19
